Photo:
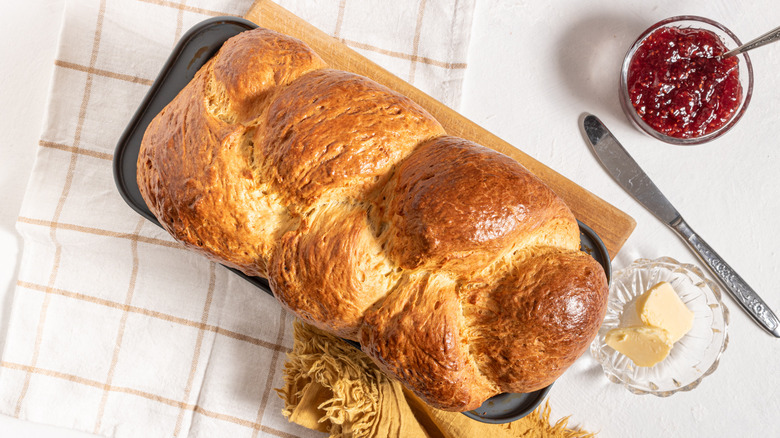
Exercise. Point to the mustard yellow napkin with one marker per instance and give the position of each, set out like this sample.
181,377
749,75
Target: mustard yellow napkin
332,387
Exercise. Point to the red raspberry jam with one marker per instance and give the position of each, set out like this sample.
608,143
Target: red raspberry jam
679,86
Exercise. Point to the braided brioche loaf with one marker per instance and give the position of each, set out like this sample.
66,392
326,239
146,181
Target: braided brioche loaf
457,270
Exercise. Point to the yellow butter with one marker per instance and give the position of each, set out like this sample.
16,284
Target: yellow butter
645,346
661,307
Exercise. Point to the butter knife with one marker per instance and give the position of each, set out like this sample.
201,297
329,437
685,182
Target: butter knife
635,181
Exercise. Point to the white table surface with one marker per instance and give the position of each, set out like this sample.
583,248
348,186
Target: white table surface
534,68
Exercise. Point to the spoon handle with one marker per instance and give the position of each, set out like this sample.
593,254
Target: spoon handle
769,37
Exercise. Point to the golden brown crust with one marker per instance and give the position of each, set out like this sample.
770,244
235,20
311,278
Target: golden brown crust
330,272
417,335
196,183
459,204
251,67
333,131
456,268
527,328
196,167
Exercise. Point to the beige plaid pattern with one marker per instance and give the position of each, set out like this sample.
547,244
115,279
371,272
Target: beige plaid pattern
115,328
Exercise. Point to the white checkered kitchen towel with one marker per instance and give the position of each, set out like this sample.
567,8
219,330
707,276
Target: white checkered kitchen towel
115,329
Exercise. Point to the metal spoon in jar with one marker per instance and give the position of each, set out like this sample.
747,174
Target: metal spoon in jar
769,37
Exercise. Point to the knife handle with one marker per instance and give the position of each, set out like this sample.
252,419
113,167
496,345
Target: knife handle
734,284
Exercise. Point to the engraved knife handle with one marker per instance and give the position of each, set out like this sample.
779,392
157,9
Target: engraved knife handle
734,284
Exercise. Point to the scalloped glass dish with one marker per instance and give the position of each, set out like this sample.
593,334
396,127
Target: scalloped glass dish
693,357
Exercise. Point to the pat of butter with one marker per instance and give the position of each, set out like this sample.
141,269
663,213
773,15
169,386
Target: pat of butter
645,346
661,307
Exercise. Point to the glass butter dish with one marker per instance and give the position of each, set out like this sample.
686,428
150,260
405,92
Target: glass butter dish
693,357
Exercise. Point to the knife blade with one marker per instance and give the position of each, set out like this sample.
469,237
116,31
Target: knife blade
618,163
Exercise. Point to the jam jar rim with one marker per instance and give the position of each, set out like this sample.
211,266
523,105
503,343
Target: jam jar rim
630,111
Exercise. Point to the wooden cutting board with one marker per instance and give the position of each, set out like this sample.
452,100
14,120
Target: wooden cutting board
611,224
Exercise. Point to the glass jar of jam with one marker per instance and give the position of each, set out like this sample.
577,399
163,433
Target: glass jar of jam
675,86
